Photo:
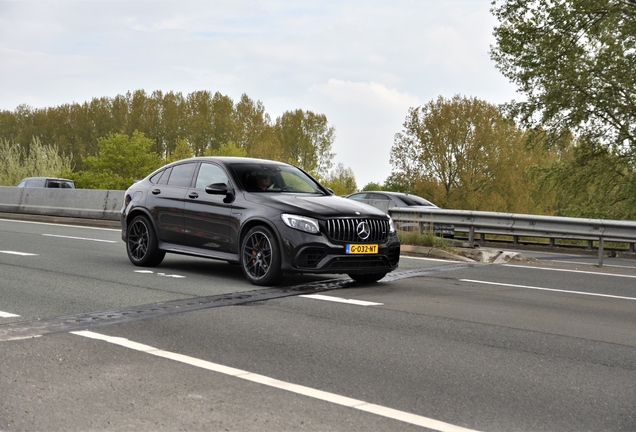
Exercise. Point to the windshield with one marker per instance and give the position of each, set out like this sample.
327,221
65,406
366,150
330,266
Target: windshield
264,177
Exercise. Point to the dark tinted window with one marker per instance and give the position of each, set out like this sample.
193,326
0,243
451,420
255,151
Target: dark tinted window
413,200
182,175
61,184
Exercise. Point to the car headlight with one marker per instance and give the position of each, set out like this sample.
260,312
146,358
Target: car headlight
391,226
301,223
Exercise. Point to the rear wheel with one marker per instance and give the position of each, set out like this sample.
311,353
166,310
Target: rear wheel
142,244
260,257
367,278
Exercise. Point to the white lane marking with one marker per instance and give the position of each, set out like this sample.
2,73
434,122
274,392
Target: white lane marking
160,274
548,289
8,315
592,264
426,259
79,238
570,271
171,275
282,385
18,253
61,225
340,300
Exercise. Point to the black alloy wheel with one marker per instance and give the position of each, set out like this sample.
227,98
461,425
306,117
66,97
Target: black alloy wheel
260,257
367,278
141,243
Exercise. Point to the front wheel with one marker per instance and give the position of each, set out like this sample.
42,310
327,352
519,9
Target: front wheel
141,243
367,278
260,257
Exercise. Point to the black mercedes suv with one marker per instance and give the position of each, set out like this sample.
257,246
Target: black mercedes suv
270,217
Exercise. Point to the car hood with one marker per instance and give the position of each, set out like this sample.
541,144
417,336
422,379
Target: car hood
315,206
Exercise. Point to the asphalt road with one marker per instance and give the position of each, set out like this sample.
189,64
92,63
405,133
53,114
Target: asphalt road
90,342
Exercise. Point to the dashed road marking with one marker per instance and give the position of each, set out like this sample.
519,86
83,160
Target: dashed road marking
18,253
549,289
79,238
361,405
341,300
8,315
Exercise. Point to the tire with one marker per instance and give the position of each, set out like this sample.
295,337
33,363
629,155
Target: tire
142,244
367,278
260,257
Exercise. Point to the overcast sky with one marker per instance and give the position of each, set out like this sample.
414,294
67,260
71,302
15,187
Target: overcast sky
362,63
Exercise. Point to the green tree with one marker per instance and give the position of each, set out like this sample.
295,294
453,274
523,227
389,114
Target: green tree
305,139
573,61
228,149
462,153
373,186
588,180
182,150
341,180
18,162
121,160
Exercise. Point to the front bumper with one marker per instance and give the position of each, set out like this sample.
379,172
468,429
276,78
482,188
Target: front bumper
315,253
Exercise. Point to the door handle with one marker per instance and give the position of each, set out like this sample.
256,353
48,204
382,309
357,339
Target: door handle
194,195
156,191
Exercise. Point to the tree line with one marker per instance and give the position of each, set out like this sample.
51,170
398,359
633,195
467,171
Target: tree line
170,126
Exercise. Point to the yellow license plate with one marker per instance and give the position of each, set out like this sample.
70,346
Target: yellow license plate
362,248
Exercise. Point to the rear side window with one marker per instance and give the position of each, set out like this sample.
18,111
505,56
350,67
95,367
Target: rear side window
181,175
164,178
35,183
60,184
379,197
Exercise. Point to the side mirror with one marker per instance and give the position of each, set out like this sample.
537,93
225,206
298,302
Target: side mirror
217,189
221,189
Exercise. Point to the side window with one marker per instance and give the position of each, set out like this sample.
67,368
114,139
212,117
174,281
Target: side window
374,196
155,178
164,178
208,174
359,196
37,183
182,175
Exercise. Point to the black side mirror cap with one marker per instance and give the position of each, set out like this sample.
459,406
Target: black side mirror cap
217,189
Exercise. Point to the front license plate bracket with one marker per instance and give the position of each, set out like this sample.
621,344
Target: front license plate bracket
361,249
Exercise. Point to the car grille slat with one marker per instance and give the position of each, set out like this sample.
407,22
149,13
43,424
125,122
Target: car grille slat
346,230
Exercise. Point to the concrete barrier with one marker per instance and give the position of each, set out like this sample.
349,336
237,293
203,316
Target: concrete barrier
76,203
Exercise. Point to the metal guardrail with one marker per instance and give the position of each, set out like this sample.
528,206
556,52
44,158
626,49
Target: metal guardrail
521,225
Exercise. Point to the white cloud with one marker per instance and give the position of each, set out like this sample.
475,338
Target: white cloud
366,116
361,63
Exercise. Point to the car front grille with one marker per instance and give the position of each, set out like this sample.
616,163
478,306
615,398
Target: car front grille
349,230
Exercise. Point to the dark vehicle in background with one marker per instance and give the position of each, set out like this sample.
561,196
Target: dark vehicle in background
271,218
399,199
47,182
